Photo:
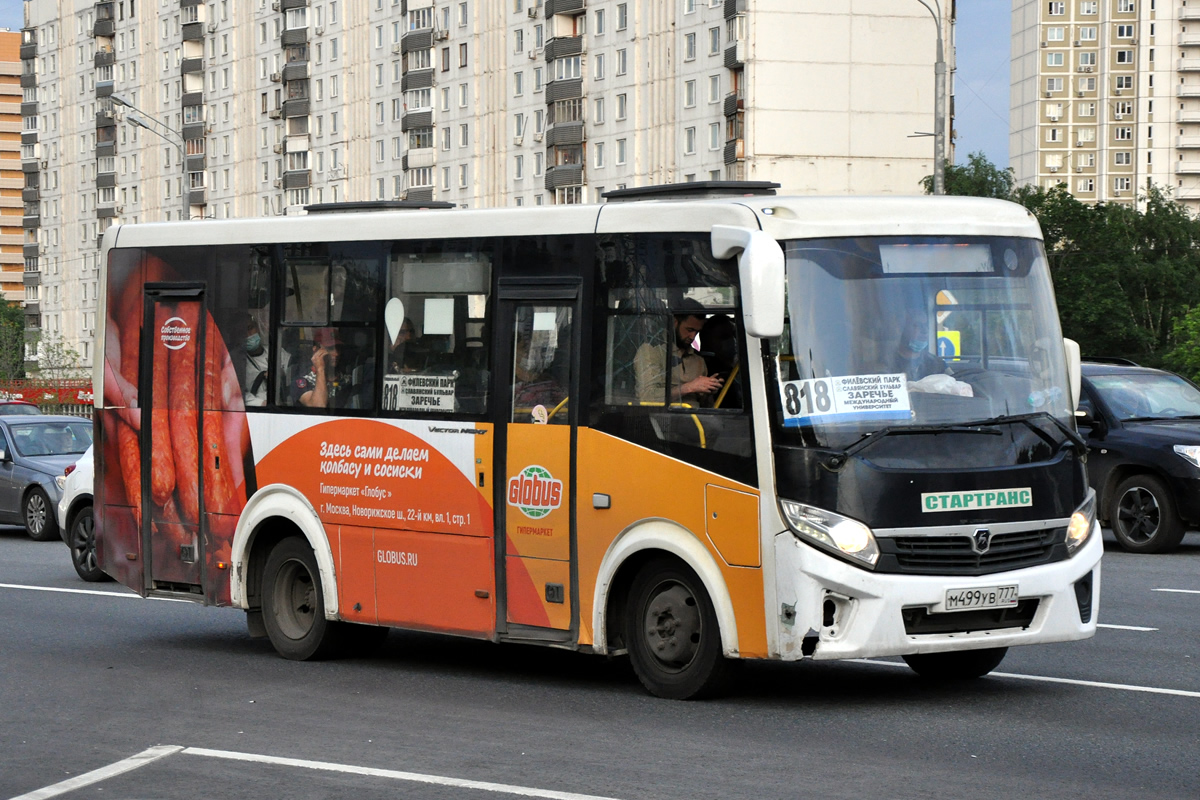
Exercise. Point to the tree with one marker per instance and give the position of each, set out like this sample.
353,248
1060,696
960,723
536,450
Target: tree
57,360
979,177
1184,358
12,342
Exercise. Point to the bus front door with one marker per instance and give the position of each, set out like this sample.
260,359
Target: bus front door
539,344
171,433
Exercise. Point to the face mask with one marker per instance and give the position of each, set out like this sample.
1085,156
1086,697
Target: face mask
253,343
917,345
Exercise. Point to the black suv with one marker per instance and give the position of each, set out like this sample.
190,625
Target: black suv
1143,429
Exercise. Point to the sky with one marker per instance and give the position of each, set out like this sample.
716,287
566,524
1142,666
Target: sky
981,82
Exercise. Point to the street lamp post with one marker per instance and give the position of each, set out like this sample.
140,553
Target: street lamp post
939,99
139,118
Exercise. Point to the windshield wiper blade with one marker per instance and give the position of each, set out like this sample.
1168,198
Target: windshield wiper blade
871,438
1075,439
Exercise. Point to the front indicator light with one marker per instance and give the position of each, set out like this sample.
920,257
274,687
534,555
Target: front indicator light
1082,522
844,536
1191,452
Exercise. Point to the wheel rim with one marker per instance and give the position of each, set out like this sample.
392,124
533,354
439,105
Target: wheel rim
35,513
83,543
1138,515
295,600
672,626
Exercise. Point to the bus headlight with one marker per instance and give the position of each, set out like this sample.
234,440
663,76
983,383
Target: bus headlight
1082,522
845,536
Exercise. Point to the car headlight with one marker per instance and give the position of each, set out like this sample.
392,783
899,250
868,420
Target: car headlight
842,535
1082,522
1189,451
61,482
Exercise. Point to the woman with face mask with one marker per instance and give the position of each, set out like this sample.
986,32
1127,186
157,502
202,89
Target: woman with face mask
911,355
255,392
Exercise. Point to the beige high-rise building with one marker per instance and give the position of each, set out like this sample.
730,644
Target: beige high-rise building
12,181
1106,97
160,109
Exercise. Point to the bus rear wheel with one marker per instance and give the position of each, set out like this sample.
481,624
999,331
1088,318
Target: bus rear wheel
960,665
672,633
293,604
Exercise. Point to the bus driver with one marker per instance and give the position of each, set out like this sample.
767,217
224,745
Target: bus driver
690,381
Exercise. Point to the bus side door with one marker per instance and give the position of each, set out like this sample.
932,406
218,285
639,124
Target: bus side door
535,521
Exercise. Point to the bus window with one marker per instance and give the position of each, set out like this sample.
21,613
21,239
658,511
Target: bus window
327,339
434,344
541,365
670,353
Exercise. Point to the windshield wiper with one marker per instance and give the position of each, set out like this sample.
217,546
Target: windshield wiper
874,436
1080,445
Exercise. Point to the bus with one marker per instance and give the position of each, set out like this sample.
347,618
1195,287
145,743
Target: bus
691,430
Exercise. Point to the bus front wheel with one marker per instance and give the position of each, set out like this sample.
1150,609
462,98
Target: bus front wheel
293,604
672,634
960,665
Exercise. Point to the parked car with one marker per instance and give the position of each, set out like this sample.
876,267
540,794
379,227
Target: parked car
1143,429
76,521
34,453
14,407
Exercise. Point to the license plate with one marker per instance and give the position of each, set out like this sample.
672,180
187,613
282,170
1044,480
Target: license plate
986,597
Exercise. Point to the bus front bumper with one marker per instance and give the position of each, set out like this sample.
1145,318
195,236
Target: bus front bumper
829,609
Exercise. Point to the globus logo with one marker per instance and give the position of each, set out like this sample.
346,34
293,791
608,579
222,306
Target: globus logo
535,492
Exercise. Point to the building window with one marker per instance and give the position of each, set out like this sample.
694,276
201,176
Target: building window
599,30
1054,59
1125,6
568,68
714,41
1087,61
598,150
622,62
518,84
689,141
1124,82
1124,31
1124,56
1054,84
1054,34
598,111
689,47
714,136
1087,34
621,151
622,106
464,135
598,72
622,16
462,54
1123,133
1085,185
1088,7
1057,8
1053,134
1121,184
1123,159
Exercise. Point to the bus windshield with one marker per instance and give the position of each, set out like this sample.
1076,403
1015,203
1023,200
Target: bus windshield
917,331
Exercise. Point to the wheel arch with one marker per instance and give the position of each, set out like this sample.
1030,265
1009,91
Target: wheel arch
273,514
629,552
1114,479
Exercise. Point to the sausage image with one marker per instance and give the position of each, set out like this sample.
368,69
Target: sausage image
131,468
162,467
184,416
219,485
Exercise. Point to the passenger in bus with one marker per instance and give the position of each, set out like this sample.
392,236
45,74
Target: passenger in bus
324,386
535,385
690,382
255,392
405,353
911,354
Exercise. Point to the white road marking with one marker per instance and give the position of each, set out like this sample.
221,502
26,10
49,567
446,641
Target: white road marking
1125,627
104,773
126,595
1124,687
412,777
1178,591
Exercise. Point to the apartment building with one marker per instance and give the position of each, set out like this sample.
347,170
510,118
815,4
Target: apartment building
12,270
1106,97
147,110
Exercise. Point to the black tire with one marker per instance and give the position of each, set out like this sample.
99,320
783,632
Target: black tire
81,538
672,633
957,666
293,606
1143,516
38,514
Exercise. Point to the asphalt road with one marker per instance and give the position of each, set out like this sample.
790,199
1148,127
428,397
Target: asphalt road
88,681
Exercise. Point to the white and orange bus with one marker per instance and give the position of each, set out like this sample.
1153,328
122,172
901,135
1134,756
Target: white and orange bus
692,430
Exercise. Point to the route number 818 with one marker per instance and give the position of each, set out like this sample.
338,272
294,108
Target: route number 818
807,396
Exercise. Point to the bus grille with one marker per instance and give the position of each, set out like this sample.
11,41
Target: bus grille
954,555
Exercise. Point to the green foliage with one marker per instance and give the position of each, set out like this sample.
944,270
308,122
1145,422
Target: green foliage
12,342
1185,357
979,177
57,360
1127,278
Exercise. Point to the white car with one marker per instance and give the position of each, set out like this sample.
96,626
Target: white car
75,518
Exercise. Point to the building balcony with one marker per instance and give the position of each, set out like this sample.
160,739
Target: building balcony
733,104
565,175
735,55
1187,116
298,107
287,4
106,211
296,71
1187,167
194,130
294,36
1189,65
564,90
193,32
412,120
30,194
417,40
565,133
190,65
564,7
195,163
106,180
297,179
734,7
29,109
197,197
31,221
104,57
104,88
563,46
735,150
1187,142
104,27
105,119
1189,39
29,49
33,277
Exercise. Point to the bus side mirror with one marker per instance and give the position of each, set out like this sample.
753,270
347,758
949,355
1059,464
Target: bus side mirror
1073,370
760,270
